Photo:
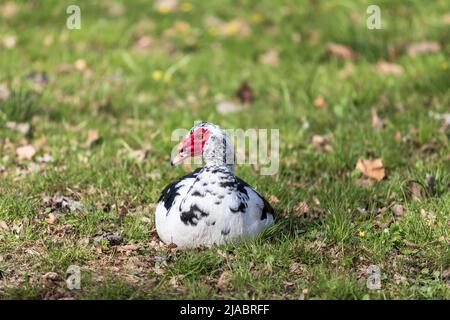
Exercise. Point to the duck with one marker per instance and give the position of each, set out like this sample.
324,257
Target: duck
211,205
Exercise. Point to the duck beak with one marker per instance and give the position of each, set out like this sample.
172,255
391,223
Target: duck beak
191,146
183,151
178,159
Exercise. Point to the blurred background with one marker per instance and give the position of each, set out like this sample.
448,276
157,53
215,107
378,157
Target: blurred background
88,113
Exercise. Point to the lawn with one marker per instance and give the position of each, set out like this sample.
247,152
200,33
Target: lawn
86,117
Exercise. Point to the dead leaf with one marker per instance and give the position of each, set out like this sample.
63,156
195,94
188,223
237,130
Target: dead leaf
377,122
62,204
9,9
446,18
347,71
224,279
116,9
302,208
389,68
340,51
273,199
320,102
416,190
295,268
446,274
50,278
270,57
9,41
245,93
143,43
80,64
25,152
417,48
3,226
321,143
51,219
113,238
46,158
129,247
5,94
398,210
93,136
24,128
372,168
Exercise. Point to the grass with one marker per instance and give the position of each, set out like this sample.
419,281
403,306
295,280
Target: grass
136,96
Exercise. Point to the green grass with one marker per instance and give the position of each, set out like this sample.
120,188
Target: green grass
323,257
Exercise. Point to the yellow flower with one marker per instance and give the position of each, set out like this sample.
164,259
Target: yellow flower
186,6
212,31
361,234
167,78
256,18
157,75
164,9
232,28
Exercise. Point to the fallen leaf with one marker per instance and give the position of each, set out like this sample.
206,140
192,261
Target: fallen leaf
295,268
25,152
62,204
50,278
80,64
398,210
3,225
372,168
320,102
270,57
416,48
129,247
143,43
446,274
340,51
93,136
445,118
377,122
51,219
224,279
321,143
46,158
416,190
389,68
9,9
116,9
113,238
9,41
4,92
273,199
446,18
24,128
226,107
302,208
245,93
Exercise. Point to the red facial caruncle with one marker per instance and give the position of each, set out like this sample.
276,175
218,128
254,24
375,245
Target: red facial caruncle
192,145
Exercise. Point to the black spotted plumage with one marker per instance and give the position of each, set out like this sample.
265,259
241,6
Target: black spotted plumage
171,191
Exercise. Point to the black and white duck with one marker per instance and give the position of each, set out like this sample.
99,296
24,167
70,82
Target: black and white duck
210,205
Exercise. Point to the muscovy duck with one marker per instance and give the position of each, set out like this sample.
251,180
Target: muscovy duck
210,205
